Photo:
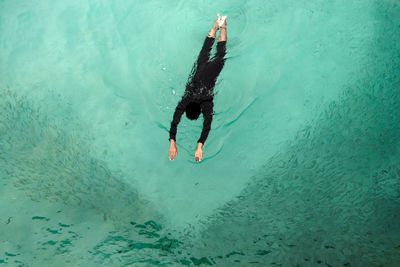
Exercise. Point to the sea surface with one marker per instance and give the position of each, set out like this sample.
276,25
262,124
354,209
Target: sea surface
301,167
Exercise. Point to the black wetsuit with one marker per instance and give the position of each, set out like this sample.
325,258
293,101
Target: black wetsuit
200,85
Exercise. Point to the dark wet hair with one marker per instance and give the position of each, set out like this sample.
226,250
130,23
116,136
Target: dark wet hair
193,111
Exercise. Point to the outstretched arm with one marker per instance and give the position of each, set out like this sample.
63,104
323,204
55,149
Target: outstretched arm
180,108
206,126
207,109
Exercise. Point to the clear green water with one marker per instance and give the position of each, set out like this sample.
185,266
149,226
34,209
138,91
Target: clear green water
301,167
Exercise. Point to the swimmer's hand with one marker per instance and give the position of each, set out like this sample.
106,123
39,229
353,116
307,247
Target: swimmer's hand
173,152
199,152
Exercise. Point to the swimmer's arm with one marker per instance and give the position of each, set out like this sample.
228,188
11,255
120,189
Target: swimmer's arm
180,109
172,152
198,154
206,129
207,109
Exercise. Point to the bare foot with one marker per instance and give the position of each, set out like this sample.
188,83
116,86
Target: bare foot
223,24
222,34
215,25
214,29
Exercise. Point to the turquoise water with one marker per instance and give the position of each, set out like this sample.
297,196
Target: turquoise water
301,167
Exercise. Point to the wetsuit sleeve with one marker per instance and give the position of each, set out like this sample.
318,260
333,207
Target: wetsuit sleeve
207,109
180,108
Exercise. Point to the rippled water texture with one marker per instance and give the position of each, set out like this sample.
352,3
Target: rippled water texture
301,167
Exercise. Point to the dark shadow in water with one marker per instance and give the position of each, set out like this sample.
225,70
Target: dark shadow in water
333,196
46,154
49,157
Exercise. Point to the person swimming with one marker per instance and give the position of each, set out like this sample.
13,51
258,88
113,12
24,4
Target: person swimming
198,96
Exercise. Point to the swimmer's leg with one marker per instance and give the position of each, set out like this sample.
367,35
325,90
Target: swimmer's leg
222,34
204,54
212,32
219,57
218,61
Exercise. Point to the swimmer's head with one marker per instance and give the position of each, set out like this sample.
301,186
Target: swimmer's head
193,111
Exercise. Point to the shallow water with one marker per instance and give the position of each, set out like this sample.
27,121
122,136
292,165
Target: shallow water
300,167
